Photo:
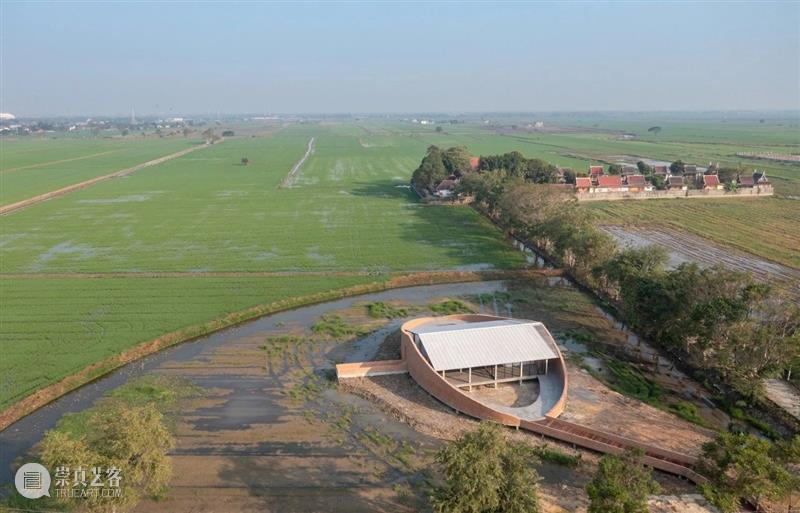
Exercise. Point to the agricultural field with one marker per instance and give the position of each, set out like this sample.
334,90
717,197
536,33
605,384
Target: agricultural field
78,271
34,165
99,270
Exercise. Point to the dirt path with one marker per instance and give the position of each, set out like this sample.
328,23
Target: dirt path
12,207
290,178
53,162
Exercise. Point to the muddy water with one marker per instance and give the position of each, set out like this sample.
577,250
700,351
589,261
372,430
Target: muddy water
251,394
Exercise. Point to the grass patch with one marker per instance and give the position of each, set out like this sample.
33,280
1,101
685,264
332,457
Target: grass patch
450,307
280,345
336,327
557,456
381,310
688,411
625,379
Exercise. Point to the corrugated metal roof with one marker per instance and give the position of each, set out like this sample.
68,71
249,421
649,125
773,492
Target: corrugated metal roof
478,344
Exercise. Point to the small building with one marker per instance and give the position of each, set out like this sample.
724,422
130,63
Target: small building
445,188
692,172
583,183
676,183
610,183
630,170
746,181
660,171
637,183
712,182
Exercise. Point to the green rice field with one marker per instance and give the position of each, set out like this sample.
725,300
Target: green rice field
80,274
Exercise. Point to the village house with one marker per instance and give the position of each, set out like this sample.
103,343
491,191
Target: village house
637,183
676,182
660,171
583,184
712,182
446,188
692,172
630,170
610,183
745,181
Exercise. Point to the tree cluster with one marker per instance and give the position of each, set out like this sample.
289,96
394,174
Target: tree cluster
437,165
741,465
621,484
516,165
484,473
722,320
134,439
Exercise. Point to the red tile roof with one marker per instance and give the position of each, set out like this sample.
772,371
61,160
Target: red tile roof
747,181
675,181
710,180
473,162
609,181
636,181
595,170
583,182
660,170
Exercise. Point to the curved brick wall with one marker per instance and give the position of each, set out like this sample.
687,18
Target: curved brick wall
430,380
441,389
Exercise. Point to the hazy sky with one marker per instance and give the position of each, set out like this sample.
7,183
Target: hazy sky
101,58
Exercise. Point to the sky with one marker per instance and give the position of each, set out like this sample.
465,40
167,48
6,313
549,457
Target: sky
185,58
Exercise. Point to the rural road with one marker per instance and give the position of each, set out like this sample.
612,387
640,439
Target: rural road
13,207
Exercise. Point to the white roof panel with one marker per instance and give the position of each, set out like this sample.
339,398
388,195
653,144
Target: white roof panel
478,344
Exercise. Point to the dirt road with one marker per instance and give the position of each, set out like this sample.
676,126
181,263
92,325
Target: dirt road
290,178
13,207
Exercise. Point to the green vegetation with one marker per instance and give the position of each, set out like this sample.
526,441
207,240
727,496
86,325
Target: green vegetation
131,429
557,456
628,381
741,465
621,485
484,473
450,307
334,326
381,310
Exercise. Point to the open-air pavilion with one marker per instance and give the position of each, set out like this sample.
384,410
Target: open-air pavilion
477,354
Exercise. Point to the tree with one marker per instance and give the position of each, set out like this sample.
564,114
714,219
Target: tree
430,172
677,167
245,161
228,133
133,439
569,176
644,168
484,473
457,160
739,465
186,131
621,485
125,132
655,130
614,169
439,129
